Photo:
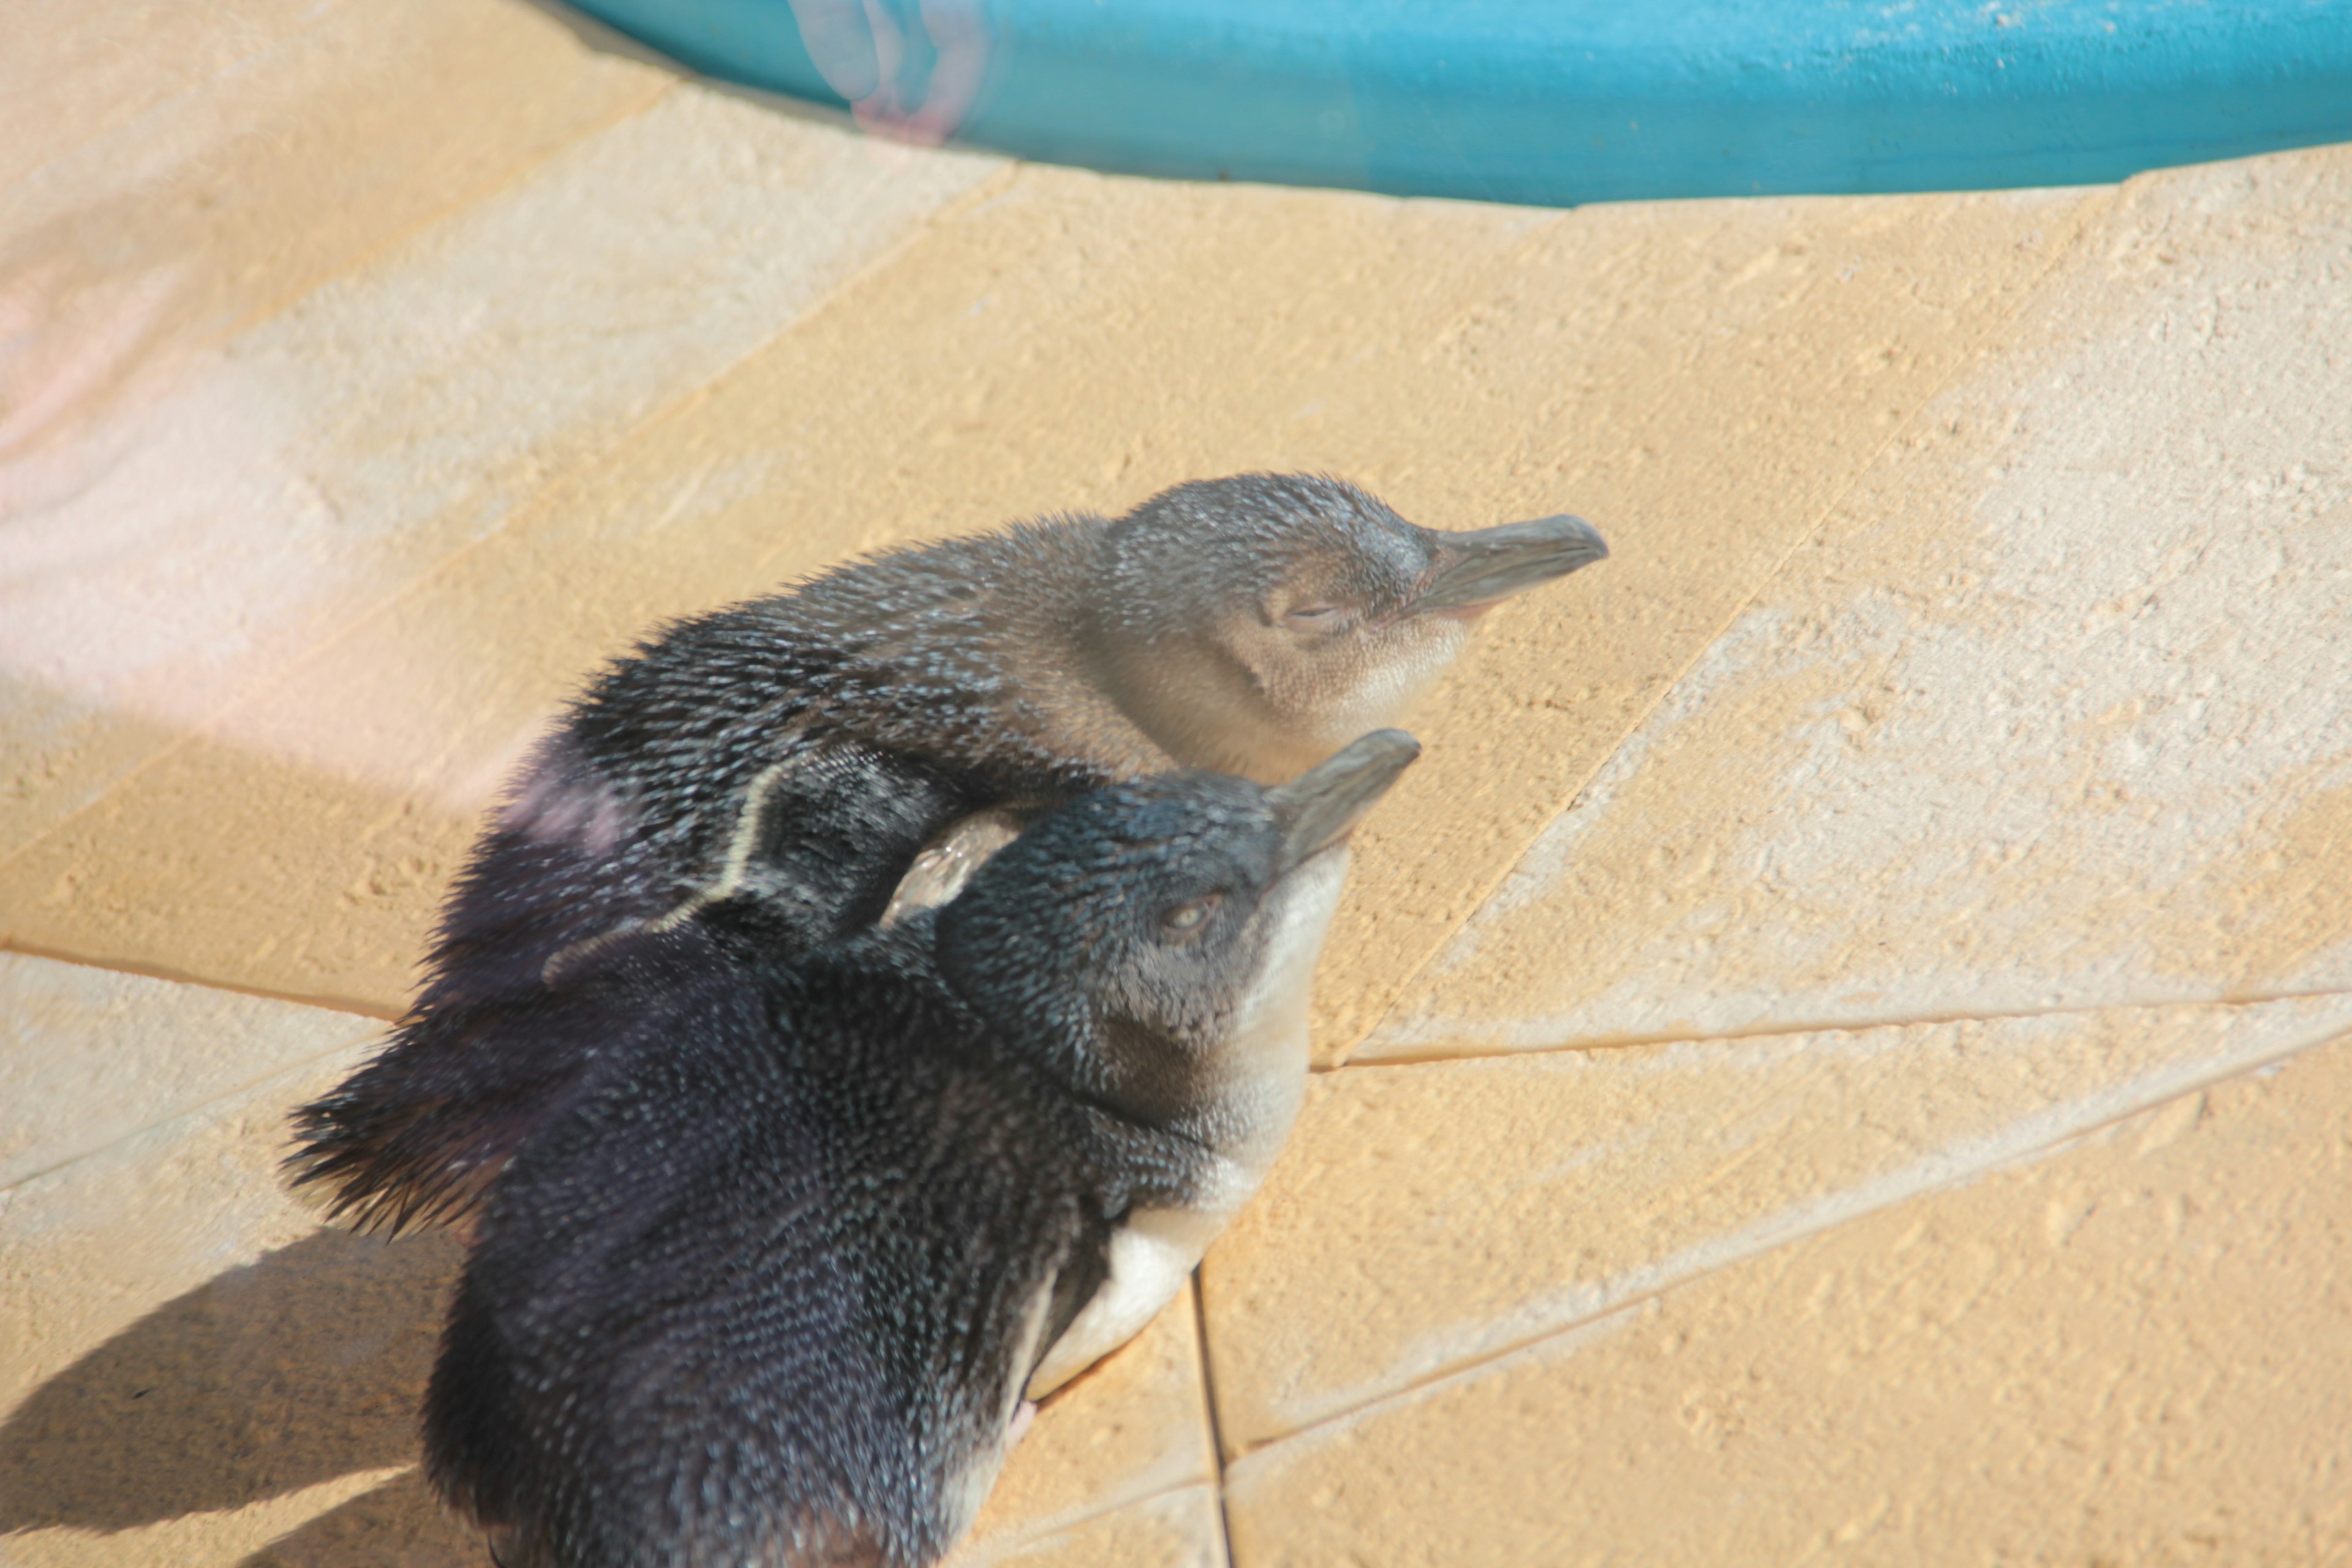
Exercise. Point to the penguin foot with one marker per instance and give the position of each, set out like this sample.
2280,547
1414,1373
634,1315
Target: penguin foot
1022,1417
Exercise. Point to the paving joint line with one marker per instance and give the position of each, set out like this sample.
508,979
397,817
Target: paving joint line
1961,365
1472,1364
352,1006
1016,1540
190,1109
1836,1026
1209,1410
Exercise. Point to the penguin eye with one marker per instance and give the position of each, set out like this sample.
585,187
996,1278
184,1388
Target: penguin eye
1311,618
1186,920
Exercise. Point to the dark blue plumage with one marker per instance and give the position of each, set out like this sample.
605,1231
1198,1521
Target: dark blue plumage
769,1293
768,774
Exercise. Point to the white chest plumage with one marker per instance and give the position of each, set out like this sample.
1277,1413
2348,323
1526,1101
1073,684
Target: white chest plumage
1261,1078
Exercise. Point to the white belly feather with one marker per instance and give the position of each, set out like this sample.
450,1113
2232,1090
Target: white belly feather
1261,1077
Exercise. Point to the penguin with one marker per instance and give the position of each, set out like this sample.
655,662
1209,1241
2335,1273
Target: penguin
783,1287
797,768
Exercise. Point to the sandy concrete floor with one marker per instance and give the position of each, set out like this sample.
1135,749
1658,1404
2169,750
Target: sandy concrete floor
1842,1051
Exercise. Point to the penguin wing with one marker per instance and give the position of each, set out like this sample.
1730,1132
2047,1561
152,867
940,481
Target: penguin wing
572,886
659,1353
419,1133
820,846
950,860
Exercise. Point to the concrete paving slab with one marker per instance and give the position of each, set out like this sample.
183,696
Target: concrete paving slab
171,551
92,1056
196,167
75,72
183,1341
1133,1429
385,1517
1429,1217
1176,1530
194,1372
1704,381
397,1522
2056,712
2132,1350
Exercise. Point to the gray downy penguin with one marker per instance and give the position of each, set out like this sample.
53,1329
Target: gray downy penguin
772,1293
797,768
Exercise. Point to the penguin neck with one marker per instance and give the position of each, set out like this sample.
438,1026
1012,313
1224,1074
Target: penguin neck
1261,1068
1233,1095
1043,639
1200,705
1016,620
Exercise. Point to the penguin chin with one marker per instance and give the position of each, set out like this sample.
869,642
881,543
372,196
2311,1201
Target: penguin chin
1387,688
1302,705
1262,1067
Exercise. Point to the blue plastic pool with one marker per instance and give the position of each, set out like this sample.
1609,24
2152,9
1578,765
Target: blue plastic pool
1558,101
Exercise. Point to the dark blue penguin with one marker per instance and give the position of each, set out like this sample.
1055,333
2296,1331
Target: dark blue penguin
774,1291
785,773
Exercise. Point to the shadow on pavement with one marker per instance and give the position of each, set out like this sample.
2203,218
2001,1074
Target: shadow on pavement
400,1524
303,1366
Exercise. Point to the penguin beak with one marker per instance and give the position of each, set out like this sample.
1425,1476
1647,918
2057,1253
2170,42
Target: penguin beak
1479,570
1322,805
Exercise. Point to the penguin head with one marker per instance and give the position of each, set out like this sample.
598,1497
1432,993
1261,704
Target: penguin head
1132,938
1257,624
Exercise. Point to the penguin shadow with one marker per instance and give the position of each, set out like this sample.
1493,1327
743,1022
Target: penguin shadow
303,1366
400,1524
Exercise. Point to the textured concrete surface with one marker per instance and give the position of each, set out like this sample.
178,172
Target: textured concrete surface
1430,1218
1838,1050
95,1056
2047,714
2131,1351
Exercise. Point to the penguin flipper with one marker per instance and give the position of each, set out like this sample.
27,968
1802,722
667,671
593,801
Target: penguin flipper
949,862
399,1147
415,1136
567,888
